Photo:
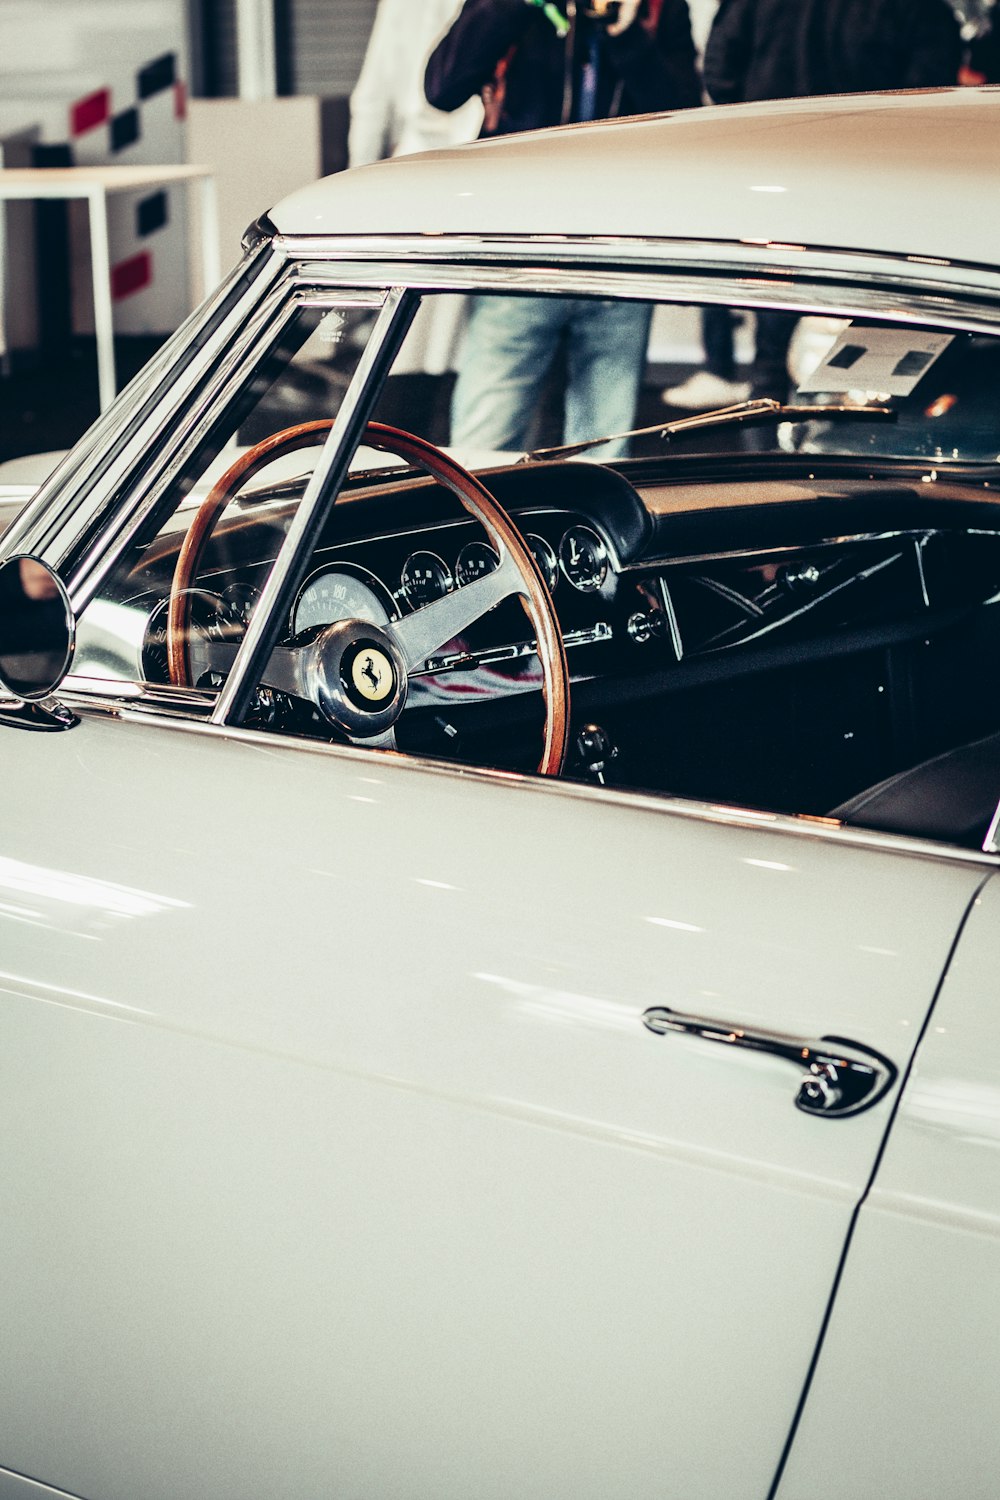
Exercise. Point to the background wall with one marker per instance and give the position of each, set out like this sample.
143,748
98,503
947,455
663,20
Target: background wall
104,81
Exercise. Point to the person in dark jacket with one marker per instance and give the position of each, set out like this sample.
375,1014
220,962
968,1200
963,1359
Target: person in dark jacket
645,64
778,49
781,49
540,63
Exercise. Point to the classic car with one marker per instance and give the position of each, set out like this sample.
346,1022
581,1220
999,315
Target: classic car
498,995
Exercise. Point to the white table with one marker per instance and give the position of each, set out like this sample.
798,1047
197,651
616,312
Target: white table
95,185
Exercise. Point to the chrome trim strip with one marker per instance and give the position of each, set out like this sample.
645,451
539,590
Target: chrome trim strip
262,325
55,520
113,695
672,622
293,558
465,262
599,631
802,826
631,250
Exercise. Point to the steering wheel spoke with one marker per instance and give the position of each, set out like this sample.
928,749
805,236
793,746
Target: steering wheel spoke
430,628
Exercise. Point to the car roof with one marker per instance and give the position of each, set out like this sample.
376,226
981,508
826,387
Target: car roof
906,173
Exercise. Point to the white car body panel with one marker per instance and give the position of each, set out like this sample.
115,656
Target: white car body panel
784,173
336,1157
921,1401
345,1218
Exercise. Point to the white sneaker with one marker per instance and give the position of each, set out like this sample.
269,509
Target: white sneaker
703,390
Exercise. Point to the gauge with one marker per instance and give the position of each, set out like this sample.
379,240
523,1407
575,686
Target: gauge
545,557
240,600
475,560
584,558
425,578
210,620
342,592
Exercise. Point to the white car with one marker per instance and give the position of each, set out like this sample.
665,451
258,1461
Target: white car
500,972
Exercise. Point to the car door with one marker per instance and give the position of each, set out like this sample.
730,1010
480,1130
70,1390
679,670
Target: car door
922,1270
337,1157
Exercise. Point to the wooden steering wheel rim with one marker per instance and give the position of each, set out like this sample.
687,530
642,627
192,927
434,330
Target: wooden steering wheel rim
476,499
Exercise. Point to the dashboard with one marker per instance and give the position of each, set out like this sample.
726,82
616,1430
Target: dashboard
825,622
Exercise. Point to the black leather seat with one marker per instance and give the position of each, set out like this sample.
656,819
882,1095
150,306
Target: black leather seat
952,797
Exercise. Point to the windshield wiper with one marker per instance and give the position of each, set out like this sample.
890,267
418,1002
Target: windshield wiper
745,413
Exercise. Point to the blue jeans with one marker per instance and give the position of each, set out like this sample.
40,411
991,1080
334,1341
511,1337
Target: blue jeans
509,346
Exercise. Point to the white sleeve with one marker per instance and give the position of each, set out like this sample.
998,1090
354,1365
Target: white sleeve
373,101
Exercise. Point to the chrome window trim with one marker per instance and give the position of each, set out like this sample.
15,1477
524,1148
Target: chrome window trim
126,429
262,326
148,709
321,490
896,288
735,270
755,276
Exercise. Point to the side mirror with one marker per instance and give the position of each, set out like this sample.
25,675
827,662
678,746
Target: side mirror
37,629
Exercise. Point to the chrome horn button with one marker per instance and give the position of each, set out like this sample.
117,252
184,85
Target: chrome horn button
357,678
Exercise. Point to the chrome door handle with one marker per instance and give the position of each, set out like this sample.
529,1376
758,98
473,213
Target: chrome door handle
841,1077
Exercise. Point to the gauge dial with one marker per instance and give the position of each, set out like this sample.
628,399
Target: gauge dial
340,593
240,600
210,621
475,560
584,558
425,577
545,557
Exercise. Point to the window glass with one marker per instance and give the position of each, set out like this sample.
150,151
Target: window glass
496,375
298,379
743,622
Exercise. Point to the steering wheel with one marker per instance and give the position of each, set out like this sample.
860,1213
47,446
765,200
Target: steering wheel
355,672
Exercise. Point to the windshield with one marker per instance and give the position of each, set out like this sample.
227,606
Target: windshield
494,377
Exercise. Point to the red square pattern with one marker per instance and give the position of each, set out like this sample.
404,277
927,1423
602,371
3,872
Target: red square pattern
180,100
90,112
130,276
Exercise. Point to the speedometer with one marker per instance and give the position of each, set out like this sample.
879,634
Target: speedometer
343,592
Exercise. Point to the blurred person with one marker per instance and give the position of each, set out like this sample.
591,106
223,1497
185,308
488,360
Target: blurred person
718,382
982,62
777,49
390,116
540,63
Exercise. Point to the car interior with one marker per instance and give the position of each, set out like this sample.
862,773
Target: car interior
791,613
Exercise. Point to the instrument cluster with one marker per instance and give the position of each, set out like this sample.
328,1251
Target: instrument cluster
342,589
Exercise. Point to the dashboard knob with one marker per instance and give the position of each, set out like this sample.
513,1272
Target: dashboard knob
642,627
798,576
594,748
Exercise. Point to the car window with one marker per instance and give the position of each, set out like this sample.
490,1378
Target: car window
709,557
294,385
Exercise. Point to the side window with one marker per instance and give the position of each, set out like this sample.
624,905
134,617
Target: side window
180,600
